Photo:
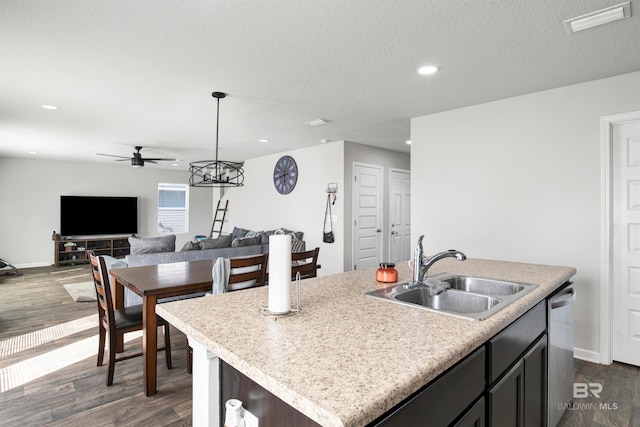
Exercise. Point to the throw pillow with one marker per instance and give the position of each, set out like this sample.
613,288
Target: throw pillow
220,242
152,245
253,234
246,241
239,232
299,234
297,245
190,246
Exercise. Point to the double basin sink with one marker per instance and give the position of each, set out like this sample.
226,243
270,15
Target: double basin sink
466,296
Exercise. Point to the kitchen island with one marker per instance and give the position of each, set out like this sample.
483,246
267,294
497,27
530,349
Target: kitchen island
347,359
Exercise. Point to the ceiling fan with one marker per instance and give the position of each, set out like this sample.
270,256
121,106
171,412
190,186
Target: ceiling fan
137,161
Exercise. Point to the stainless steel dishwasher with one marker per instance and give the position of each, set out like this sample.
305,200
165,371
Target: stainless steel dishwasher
560,362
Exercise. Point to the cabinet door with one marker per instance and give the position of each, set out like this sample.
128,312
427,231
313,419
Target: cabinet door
535,384
506,399
474,417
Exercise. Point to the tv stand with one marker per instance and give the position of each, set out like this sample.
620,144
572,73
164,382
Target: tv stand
117,247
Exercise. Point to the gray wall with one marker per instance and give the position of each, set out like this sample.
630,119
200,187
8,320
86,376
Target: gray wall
258,206
30,208
520,180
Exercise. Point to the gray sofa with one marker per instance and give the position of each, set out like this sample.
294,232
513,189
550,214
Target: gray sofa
161,250
195,255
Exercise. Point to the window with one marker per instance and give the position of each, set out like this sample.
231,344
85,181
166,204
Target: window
173,208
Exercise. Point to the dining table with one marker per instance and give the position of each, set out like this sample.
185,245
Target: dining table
153,283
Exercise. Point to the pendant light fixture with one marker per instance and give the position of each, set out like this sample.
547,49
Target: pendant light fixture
216,173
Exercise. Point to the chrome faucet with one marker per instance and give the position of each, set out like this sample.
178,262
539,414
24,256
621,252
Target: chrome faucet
421,264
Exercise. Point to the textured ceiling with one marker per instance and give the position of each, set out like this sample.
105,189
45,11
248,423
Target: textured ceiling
127,73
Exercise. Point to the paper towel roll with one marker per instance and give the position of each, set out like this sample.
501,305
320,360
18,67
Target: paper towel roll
280,273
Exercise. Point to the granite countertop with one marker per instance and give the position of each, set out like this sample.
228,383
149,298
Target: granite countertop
348,358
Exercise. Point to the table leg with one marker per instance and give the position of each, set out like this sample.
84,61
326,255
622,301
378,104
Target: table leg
149,343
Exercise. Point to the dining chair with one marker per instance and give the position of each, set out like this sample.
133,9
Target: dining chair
245,272
305,263
114,323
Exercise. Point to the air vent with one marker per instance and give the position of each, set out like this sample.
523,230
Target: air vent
317,122
600,17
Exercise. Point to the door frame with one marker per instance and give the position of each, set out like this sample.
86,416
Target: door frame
353,210
391,171
606,278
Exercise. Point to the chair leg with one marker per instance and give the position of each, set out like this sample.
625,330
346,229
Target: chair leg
112,358
167,346
102,336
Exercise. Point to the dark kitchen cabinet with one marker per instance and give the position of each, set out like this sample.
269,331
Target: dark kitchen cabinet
519,397
506,399
535,384
474,417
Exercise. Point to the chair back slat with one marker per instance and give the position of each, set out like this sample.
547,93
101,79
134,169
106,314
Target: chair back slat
252,269
305,263
103,288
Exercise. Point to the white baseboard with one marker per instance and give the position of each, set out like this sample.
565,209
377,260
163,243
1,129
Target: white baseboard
33,264
588,355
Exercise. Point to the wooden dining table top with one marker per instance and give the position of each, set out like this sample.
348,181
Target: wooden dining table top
166,280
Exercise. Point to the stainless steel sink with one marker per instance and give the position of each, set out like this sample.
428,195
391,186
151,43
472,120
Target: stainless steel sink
469,297
456,302
482,286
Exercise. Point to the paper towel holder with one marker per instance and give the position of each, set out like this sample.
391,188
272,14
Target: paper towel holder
292,312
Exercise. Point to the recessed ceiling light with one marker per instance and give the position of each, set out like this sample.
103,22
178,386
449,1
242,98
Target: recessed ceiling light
317,122
33,152
49,107
174,164
600,17
408,142
428,69
263,140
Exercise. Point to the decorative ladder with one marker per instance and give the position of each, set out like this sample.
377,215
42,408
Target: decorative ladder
216,220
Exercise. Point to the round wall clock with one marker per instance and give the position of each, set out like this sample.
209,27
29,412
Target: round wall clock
285,175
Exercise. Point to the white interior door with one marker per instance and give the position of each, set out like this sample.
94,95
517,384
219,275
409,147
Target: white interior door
400,215
626,242
367,215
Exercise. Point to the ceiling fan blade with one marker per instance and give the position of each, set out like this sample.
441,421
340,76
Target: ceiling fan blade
111,155
154,159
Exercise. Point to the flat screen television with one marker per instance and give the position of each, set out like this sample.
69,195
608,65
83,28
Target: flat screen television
91,215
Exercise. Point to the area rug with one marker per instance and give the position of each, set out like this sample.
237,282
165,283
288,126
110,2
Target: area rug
81,292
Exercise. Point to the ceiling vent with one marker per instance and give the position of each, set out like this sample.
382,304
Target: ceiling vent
317,122
600,17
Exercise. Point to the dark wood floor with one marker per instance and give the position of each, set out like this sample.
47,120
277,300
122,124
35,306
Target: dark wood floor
77,395
619,401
